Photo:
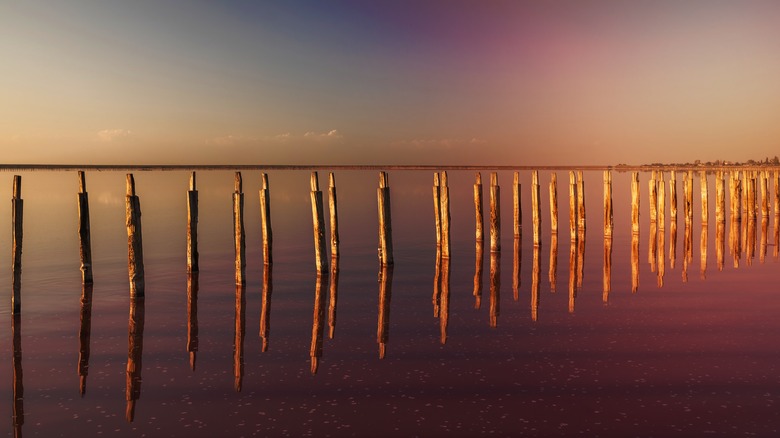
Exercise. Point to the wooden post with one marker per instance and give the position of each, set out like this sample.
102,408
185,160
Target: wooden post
720,198
385,227
495,213
652,198
608,218
573,205
445,216
85,241
265,220
536,208
661,198
776,203
192,226
516,198
673,197
239,240
318,225
135,251
705,214
17,208
635,203
479,217
690,197
437,207
580,200
764,183
554,203
334,219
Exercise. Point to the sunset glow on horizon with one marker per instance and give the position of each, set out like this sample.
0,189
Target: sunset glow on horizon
381,82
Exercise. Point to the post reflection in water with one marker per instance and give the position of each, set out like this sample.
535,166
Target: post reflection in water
652,246
444,312
318,322
672,242
517,260
436,298
776,227
334,295
495,288
687,249
553,261
135,344
239,330
661,256
192,317
634,262
572,274
265,309
607,273
580,257
85,330
535,286
764,231
383,321
479,256
750,236
18,385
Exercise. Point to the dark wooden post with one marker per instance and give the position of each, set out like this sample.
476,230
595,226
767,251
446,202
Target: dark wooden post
265,219
192,226
239,239
445,216
385,226
478,215
495,213
318,225
135,250
17,210
334,217
85,245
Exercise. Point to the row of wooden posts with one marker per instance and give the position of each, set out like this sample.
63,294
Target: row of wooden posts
744,198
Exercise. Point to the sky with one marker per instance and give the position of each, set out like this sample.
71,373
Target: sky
485,82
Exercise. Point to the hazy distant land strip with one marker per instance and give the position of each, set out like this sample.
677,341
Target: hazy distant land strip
432,167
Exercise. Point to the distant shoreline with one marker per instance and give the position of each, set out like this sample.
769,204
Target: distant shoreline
430,167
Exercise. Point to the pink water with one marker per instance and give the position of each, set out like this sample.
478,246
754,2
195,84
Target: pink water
684,359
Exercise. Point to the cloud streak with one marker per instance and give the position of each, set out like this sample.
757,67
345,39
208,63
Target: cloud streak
109,135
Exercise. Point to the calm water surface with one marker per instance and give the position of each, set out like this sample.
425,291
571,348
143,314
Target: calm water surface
691,352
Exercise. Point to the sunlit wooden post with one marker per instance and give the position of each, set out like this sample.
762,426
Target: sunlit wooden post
720,197
536,208
385,227
239,240
635,202
689,198
85,242
608,217
580,201
318,225
437,207
495,213
661,200
573,205
776,203
17,210
334,218
444,210
135,252
517,209
764,183
673,197
478,214
652,198
705,214
192,226
554,203
265,220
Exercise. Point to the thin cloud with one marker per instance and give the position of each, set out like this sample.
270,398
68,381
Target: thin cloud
108,135
440,143
238,140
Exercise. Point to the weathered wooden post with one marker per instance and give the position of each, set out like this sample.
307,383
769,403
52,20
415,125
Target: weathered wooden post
673,198
517,210
635,203
478,215
652,198
608,217
536,208
705,213
580,201
573,205
495,213
661,198
385,227
689,198
192,226
265,221
776,203
239,240
85,241
17,214
135,251
318,225
437,207
334,218
720,197
445,216
554,203
764,183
